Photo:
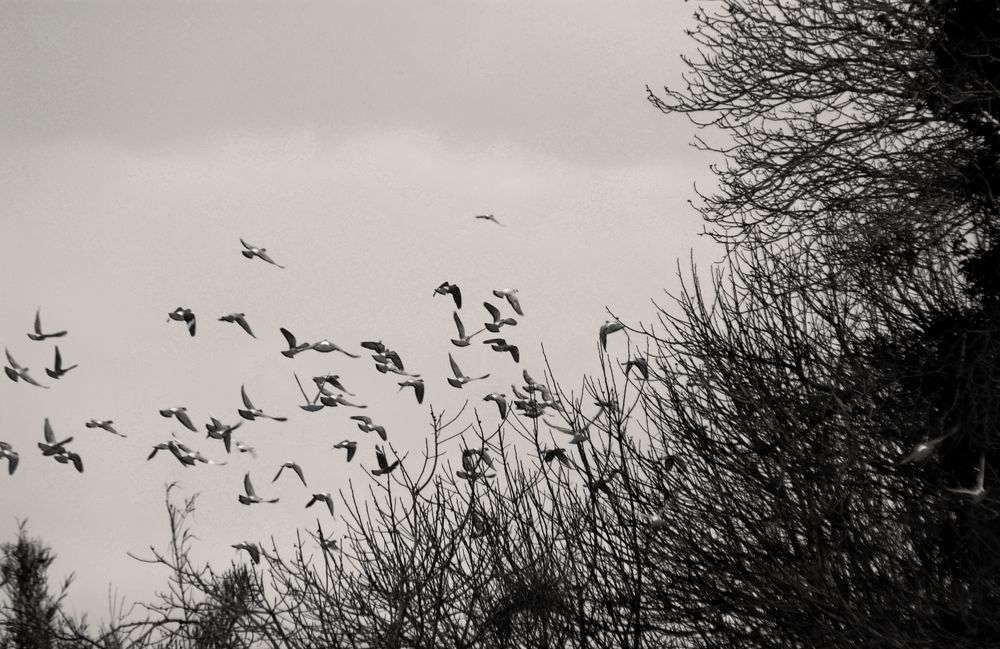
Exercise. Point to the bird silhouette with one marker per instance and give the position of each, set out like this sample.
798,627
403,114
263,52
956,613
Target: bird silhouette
450,289
251,496
253,251
182,314
58,370
240,319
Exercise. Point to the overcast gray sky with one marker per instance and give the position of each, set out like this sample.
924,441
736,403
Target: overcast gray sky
355,141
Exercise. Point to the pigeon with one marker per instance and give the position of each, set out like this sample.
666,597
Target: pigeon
181,414
557,453
311,405
16,372
218,430
417,385
294,347
609,327
251,549
325,346
240,319
324,497
977,493
105,424
463,340
294,467
251,496
384,468
50,446
57,368
640,364
445,288
70,458
332,379
500,400
460,378
8,453
500,345
925,449
38,335
334,400
252,413
350,446
254,251
497,320
511,295
489,217
185,315
365,424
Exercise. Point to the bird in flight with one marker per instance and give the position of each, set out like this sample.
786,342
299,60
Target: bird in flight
184,454
254,251
500,400
181,414
324,497
384,468
57,450
58,370
105,424
350,446
294,347
251,496
559,454
240,319
450,289
332,379
17,372
218,430
8,453
251,549
365,424
497,320
976,493
417,385
460,378
38,335
251,412
489,217
641,364
294,467
500,345
325,346
511,295
183,314
609,327
463,340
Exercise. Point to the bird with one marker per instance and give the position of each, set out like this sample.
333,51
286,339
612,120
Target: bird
460,378
489,217
311,405
8,453
218,430
50,446
601,483
350,446
240,319
294,347
334,400
925,449
251,412
609,327
38,335
497,320
376,346
294,467
70,457
184,454
181,414
325,497
384,468
977,493
391,367
16,372
105,424
417,385
325,346
389,357
332,379
557,453
579,433
500,400
57,368
185,315
500,345
463,340
640,364
254,251
473,461
251,496
365,424
251,549
445,289
511,295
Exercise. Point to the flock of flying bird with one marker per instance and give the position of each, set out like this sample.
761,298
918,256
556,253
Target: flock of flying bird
531,402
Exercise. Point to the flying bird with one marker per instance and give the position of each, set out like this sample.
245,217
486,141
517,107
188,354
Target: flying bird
184,454
294,467
511,295
251,549
325,346
251,496
460,378
70,457
185,315
384,468
350,446
366,425
181,414
251,412
254,251
559,454
218,430
50,446
105,424
977,493
608,328
489,217
294,347
500,400
500,345
38,335
417,385
57,367
463,340
240,319
445,289
641,364
324,497
925,449
17,372
311,405
334,400
332,379
8,453
497,320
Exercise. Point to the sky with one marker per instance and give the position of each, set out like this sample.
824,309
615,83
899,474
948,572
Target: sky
355,141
